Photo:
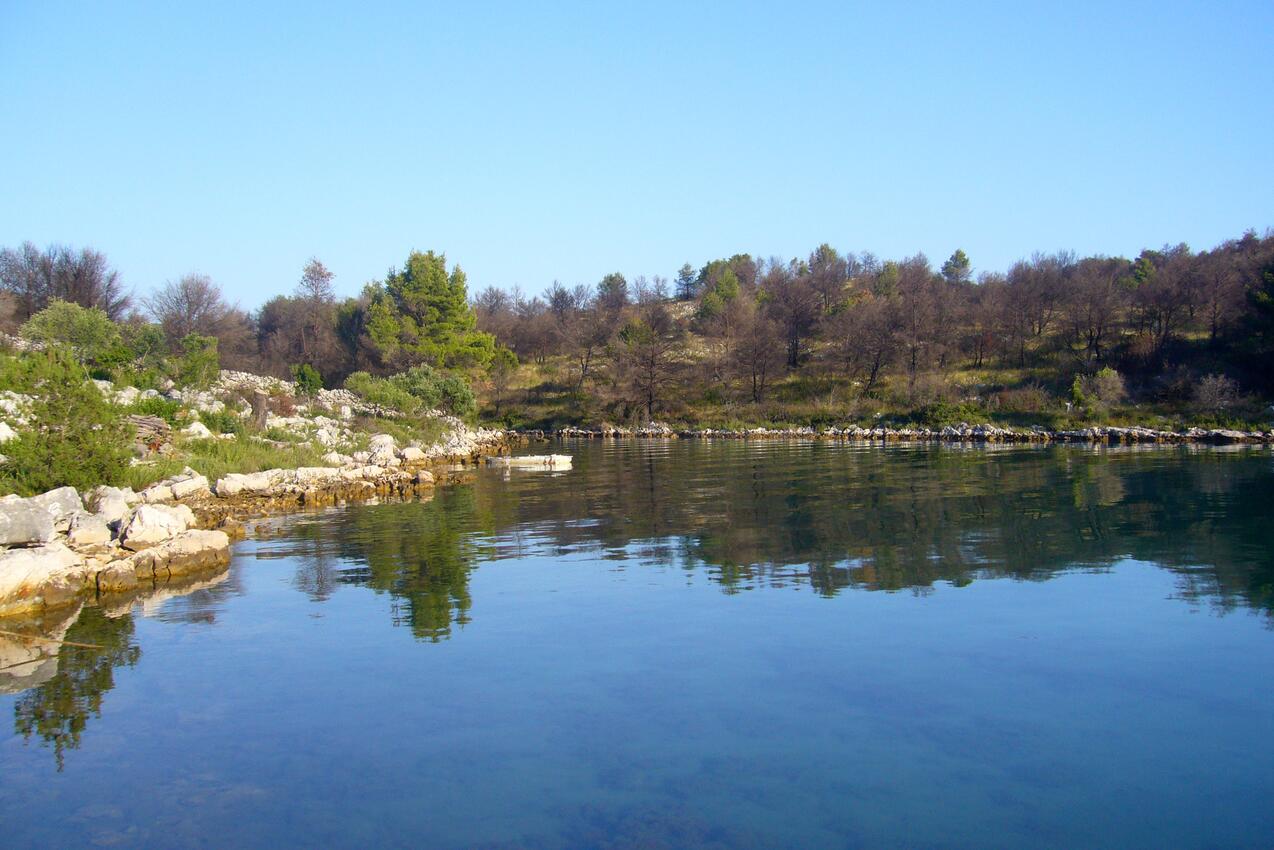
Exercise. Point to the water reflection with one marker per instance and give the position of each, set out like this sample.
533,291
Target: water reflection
58,711
820,516
66,665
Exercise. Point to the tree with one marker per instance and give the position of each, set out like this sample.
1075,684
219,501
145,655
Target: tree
74,436
612,293
504,365
87,332
316,283
829,272
35,278
645,359
792,303
191,304
957,268
421,314
686,283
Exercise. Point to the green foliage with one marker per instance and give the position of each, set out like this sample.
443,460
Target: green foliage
222,422
88,332
422,314
944,413
165,408
75,436
308,380
199,363
1098,392
446,392
957,268
380,392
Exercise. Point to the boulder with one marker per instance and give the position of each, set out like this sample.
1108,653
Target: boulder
6,433
186,552
198,431
412,454
308,475
194,486
61,504
109,503
24,522
153,524
157,493
424,476
41,577
237,483
88,530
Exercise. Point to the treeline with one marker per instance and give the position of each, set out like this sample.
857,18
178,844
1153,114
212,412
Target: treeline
1169,325
417,316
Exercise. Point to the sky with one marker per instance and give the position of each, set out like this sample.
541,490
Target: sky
538,142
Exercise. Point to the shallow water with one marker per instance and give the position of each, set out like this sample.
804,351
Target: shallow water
690,644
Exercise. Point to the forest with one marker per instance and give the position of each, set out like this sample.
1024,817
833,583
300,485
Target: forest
1170,336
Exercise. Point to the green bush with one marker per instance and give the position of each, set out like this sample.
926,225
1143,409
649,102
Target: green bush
88,333
199,363
944,413
438,390
222,422
380,392
165,408
308,380
75,437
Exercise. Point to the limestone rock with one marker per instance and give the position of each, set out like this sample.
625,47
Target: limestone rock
61,504
6,433
153,524
109,503
186,552
41,577
424,476
412,454
198,431
196,485
88,530
23,522
157,493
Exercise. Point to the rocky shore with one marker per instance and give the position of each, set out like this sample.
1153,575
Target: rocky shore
61,547
965,433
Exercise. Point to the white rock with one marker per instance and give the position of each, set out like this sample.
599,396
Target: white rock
23,522
6,433
40,577
412,454
61,504
152,524
88,530
196,486
198,431
157,493
109,503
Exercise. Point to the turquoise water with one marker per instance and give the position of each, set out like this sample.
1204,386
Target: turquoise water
690,644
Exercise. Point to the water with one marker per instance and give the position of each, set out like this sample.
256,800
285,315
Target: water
691,644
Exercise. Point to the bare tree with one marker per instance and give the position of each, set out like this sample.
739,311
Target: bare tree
192,304
34,278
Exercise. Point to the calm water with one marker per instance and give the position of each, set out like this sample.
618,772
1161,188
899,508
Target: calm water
680,645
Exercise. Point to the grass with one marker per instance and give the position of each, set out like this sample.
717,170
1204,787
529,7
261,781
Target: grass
216,458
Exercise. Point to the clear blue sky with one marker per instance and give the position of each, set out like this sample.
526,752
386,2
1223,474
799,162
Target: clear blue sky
540,141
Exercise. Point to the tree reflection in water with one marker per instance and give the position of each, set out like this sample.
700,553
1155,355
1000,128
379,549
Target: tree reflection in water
826,516
58,711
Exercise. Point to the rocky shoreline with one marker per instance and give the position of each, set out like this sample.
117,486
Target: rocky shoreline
962,433
63,547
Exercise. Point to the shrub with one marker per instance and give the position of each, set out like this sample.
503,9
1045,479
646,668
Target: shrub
88,332
75,438
199,363
380,392
165,408
1099,391
222,422
308,380
447,392
945,413
1216,393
